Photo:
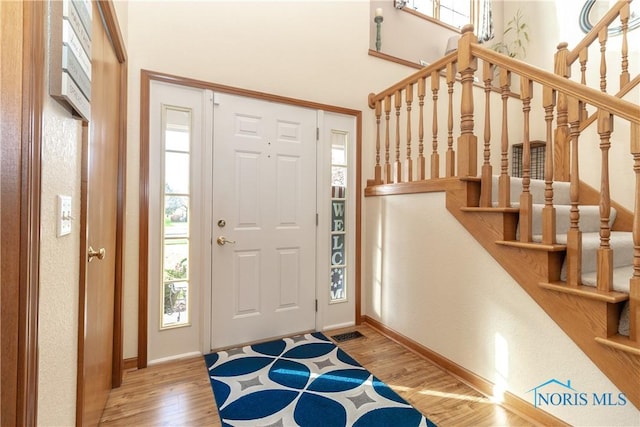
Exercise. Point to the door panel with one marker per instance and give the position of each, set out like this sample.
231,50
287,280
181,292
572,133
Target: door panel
101,178
264,191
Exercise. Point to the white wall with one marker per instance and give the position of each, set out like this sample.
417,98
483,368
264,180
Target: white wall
59,270
426,277
407,36
59,267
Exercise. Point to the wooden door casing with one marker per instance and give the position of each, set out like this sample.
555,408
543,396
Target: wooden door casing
22,54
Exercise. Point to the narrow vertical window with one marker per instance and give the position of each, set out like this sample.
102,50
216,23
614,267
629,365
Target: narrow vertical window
339,190
176,125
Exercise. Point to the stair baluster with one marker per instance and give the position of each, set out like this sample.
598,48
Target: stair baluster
504,183
409,161
378,169
435,157
387,164
487,171
605,252
603,36
421,162
526,200
634,283
451,155
624,24
549,211
398,164
574,235
583,58
561,146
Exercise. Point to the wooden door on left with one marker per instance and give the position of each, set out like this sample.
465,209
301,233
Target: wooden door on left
102,193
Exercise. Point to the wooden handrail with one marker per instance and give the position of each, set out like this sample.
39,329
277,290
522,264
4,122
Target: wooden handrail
622,92
413,78
592,35
618,107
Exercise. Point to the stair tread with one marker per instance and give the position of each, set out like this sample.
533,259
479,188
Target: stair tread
494,209
587,292
533,245
621,342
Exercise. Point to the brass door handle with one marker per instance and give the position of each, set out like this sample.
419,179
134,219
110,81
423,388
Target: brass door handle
100,253
223,240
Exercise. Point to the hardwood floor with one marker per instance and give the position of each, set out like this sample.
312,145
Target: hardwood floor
179,393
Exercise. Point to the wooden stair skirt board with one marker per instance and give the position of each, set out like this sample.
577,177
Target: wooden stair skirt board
588,317
510,401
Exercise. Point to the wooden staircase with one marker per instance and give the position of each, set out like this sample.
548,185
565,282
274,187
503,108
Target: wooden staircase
408,113
587,315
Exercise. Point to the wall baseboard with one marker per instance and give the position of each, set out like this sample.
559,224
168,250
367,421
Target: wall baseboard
512,402
130,364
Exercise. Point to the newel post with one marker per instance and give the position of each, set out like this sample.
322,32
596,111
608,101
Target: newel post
467,142
561,144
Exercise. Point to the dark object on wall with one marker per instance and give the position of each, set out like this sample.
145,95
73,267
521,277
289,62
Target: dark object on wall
537,160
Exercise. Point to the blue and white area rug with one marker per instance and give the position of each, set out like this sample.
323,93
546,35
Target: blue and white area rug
302,381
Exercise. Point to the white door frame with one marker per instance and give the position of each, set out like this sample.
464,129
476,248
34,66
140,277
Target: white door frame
333,315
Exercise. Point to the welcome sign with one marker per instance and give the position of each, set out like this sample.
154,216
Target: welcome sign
338,249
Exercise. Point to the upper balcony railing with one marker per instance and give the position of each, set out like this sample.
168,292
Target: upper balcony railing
615,21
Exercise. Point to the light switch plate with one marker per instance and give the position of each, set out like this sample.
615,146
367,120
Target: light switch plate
64,215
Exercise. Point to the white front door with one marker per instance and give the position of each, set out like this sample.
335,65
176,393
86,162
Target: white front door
264,220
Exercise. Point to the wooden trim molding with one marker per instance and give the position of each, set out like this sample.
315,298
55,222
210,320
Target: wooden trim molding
21,110
113,29
33,100
146,77
33,105
358,272
143,228
512,402
395,59
130,364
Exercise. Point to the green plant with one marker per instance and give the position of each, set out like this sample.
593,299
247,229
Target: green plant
515,38
177,272
171,294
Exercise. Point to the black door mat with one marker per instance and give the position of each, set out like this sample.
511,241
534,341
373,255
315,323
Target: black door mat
347,336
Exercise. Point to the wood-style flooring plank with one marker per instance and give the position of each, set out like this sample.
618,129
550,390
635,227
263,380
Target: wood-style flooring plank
179,393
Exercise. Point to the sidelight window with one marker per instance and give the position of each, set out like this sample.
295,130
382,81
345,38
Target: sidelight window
176,125
339,174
